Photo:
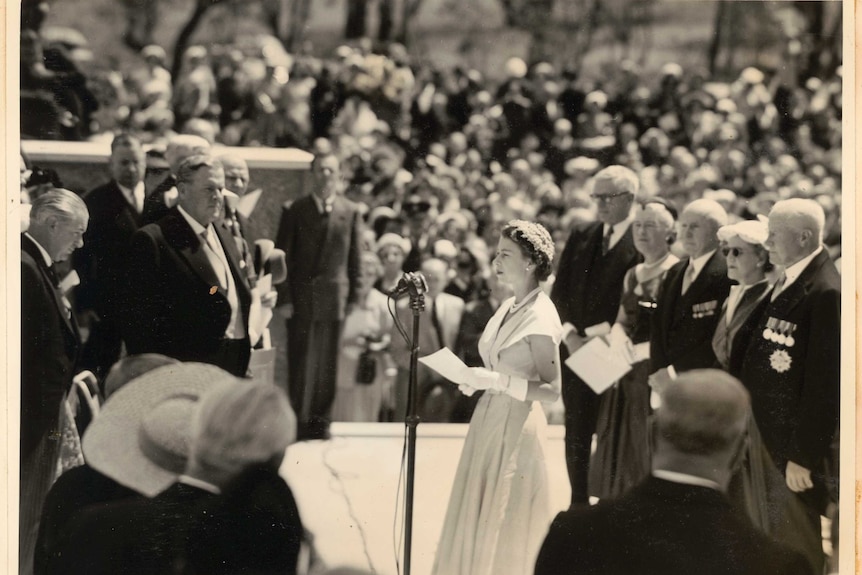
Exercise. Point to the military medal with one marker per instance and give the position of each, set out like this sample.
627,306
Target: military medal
780,360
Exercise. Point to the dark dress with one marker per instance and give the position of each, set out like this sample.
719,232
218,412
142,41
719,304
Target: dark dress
622,456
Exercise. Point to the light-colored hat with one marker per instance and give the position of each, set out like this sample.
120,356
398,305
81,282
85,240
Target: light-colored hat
132,367
269,259
671,69
751,75
516,68
237,426
142,434
154,51
582,164
391,239
445,249
750,231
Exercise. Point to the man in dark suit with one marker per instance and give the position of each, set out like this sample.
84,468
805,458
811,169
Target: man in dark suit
115,214
690,298
187,297
792,369
49,350
236,178
587,293
678,521
319,234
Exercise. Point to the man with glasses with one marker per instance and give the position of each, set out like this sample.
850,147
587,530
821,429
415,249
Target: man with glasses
691,296
587,294
319,234
187,296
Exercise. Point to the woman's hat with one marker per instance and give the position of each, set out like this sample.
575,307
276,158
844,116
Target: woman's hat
750,231
391,239
141,437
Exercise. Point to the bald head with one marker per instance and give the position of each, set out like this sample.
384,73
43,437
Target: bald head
236,175
795,230
703,413
184,146
435,272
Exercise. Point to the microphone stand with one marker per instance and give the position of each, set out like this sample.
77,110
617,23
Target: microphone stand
417,304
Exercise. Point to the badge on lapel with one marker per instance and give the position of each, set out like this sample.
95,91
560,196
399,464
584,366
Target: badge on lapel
780,360
213,290
705,309
780,332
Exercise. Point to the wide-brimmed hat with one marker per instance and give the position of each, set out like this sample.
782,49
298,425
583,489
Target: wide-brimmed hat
750,231
141,437
392,239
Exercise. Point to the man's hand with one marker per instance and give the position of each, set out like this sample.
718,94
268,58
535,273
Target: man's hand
659,380
798,478
269,299
285,310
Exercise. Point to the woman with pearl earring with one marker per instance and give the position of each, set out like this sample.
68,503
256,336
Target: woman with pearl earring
499,510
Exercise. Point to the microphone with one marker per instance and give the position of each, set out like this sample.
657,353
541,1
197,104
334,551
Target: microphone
412,283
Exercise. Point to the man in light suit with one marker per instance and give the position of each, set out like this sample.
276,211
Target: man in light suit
115,214
792,370
319,234
438,328
187,296
678,521
587,293
49,350
690,298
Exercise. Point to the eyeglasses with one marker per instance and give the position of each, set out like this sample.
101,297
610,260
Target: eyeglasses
735,252
607,197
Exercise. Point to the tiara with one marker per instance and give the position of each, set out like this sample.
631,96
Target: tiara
537,236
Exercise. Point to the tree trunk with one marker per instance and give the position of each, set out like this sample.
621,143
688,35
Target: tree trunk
298,19
386,11
182,42
410,8
356,18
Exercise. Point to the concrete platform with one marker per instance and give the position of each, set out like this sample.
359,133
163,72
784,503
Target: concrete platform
349,495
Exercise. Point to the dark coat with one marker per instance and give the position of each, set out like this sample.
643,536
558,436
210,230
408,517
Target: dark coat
662,528
174,304
49,348
76,490
683,325
322,258
589,285
795,388
101,262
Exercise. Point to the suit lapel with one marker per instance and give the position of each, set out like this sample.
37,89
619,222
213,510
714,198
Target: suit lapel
31,248
182,237
749,300
791,296
704,278
233,257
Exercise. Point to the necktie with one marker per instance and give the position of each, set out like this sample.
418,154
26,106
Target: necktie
139,200
216,257
779,285
687,278
606,240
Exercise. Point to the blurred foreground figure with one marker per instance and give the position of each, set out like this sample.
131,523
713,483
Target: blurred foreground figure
677,521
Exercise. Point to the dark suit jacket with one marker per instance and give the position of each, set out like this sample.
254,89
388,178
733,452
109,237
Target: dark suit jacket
154,204
588,287
683,325
322,258
795,389
662,528
730,340
135,536
76,490
102,261
174,304
49,348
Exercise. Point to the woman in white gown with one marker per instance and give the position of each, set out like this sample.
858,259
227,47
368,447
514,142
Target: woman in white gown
499,509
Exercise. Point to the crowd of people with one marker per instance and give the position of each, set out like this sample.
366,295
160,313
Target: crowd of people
697,221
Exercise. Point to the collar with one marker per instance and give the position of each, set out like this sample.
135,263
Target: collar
698,263
133,193
792,272
685,479
321,203
199,483
619,229
48,261
196,225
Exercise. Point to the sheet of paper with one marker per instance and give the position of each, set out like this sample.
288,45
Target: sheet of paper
446,364
603,328
598,365
248,202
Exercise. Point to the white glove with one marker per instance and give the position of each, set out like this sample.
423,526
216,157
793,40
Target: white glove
481,378
466,389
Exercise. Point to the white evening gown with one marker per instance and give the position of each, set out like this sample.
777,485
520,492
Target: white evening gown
499,509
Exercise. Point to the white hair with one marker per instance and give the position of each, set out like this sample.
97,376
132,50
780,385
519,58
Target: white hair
709,209
803,213
58,203
183,146
621,177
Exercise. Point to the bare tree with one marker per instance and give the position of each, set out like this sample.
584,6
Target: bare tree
408,11
357,15
201,8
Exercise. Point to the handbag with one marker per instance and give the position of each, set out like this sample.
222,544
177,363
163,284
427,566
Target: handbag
366,368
